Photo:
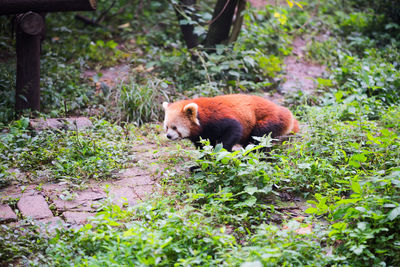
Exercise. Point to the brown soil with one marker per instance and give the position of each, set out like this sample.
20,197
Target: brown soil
300,73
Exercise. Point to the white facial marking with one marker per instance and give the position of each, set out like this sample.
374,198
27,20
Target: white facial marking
178,128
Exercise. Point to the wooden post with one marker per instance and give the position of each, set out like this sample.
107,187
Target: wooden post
29,30
29,27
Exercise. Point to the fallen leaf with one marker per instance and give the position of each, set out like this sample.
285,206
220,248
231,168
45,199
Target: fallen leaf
125,25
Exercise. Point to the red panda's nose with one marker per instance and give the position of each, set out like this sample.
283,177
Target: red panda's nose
169,136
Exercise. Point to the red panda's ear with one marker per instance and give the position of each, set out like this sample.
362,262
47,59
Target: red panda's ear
191,111
165,105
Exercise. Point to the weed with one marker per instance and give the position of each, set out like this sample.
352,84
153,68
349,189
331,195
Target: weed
140,103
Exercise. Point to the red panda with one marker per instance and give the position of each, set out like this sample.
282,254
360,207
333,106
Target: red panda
227,119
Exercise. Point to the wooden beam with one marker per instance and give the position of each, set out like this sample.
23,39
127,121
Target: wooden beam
22,6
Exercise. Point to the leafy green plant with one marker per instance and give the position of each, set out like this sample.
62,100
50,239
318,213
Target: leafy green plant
7,93
237,187
391,117
71,156
106,53
150,234
365,224
18,243
232,210
271,246
370,76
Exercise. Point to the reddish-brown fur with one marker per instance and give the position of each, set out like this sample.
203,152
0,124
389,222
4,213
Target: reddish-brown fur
252,112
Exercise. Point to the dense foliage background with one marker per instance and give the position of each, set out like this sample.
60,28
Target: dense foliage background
345,164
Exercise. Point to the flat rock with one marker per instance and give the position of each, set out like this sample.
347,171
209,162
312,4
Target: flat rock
34,206
133,172
7,214
134,181
42,124
73,205
53,189
122,195
10,192
60,123
52,224
143,191
92,194
85,201
77,217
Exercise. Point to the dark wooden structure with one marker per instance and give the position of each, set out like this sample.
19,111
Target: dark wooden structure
30,28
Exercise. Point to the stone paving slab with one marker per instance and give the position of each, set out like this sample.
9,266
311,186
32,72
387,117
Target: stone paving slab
53,189
122,195
91,194
133,185
51,224
143,191
7,214
111,76
73,205
133,177
60,123
134,181
34,206
85,201
77,217
30,191
10,192
132,172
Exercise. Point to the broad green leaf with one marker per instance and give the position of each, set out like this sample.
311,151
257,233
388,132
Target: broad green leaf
250,201
348,201
357,249
338,95
250,190
311,210
218,148
394,214
356,187
362,225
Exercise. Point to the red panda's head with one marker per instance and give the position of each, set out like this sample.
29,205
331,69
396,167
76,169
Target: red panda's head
180,119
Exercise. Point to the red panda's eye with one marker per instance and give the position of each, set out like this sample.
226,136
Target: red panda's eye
174,128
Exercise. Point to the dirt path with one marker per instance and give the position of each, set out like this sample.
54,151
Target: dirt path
300,73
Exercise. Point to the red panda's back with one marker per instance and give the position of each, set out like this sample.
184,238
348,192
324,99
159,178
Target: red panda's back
242,108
